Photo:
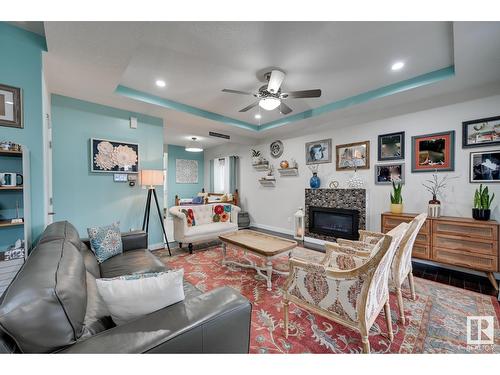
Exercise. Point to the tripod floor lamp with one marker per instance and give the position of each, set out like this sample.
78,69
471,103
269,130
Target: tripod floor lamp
151,178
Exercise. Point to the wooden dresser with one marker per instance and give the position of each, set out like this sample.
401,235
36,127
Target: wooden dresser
457,241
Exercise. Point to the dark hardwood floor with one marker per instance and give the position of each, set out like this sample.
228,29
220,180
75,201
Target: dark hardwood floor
441,275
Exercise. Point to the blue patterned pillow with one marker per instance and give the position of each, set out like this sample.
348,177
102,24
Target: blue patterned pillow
105,242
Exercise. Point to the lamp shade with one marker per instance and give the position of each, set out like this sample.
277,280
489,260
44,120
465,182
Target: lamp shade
151,177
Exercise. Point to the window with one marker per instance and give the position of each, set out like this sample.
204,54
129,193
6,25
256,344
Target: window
221,175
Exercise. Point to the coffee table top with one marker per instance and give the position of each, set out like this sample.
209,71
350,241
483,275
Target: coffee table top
261,243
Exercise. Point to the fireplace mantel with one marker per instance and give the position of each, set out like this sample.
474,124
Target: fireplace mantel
335,198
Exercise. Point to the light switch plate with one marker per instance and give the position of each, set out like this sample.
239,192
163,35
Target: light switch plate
133,122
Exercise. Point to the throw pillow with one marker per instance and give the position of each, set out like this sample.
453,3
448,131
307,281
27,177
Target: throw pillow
131,296
222,213
189,216
106,241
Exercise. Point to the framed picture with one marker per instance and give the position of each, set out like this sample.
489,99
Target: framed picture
391,146
11,112
433,152
186,171
485,166
319,152
385,174
113,156
353,155
481,132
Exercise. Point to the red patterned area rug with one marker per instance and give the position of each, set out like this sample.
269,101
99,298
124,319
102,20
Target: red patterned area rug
435,322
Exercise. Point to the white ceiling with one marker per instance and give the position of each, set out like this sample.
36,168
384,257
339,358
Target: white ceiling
88,60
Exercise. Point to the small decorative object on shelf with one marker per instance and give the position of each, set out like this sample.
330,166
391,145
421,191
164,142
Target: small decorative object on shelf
284,164
299,225
333,184
435,186
256,157
482,203
396,198
314,182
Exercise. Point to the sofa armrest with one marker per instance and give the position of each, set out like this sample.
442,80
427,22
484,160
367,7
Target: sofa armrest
234,214
213,322
135,240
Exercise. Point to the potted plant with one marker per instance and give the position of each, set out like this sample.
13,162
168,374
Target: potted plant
396,198
482,203
256,157
435,186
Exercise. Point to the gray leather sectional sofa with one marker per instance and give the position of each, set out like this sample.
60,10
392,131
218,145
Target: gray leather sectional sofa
48,306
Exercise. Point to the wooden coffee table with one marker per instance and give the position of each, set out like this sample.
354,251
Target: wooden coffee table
260,244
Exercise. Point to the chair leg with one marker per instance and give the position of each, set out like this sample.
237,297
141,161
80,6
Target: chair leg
412,286
285,310
388,319
190,247
180,245
364,340
400,304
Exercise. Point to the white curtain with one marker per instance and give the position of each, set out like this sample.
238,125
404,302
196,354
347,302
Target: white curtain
221,175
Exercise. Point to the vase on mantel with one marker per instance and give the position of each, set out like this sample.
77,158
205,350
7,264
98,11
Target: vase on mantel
314,182
434,208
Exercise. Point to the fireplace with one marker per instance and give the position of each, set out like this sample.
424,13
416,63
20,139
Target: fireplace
334,222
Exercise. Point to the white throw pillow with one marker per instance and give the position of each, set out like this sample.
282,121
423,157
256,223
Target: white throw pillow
131,296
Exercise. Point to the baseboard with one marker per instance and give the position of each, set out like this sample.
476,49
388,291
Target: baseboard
157,246
273,229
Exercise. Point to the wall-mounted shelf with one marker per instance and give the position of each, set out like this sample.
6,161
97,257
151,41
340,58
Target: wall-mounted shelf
267,182
8,223
11,153
11,188
261,166
288,171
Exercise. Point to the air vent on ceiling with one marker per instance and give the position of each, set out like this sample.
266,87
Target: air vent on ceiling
219,135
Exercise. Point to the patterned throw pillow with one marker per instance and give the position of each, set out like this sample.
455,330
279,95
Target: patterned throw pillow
191,222
221,213
105,242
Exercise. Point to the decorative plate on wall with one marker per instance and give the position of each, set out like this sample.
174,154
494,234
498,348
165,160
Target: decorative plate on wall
276,149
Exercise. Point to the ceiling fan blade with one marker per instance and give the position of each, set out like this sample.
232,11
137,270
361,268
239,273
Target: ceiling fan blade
237,92
249,107
284,109
275,81
302,94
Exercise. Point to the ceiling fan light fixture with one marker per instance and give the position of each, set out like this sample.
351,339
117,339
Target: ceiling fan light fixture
193,146
269,103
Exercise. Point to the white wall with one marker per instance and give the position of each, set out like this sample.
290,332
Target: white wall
274,207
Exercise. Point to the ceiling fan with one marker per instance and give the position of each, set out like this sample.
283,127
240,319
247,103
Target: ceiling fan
270,96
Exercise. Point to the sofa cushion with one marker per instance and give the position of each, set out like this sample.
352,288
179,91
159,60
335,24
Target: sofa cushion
97,317
222,213
61,230
105,241
190,219
90,260
130,262
203,214
212,228
44,307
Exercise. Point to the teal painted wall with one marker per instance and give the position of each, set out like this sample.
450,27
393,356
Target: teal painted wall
87,199
21,66
183,190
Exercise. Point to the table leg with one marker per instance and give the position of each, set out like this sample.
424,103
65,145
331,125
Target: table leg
224,253
269,274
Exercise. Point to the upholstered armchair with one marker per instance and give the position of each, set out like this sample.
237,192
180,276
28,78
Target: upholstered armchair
344,287
401,266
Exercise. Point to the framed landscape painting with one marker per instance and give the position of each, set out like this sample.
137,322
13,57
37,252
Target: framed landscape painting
481,132
385,174
319,152
113,156
11,113
391,146
433,152
485,166
353,156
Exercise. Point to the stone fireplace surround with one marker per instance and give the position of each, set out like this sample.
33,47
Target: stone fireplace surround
354,199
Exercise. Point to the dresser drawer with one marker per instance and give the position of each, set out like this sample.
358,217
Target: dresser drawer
421,251
466,229
464,259
465,244
390,222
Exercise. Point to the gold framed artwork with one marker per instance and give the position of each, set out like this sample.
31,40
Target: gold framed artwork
353,156
11,107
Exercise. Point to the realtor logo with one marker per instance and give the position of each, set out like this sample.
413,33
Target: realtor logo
480,330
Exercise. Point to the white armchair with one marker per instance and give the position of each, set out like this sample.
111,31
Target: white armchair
344,287
205,229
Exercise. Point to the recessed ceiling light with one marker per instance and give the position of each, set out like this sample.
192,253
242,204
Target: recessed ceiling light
258,116
160,83
398,65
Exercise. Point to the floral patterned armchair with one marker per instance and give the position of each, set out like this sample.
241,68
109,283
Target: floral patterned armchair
401,266
346,288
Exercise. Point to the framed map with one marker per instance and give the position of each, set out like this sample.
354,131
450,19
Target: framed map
186,171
